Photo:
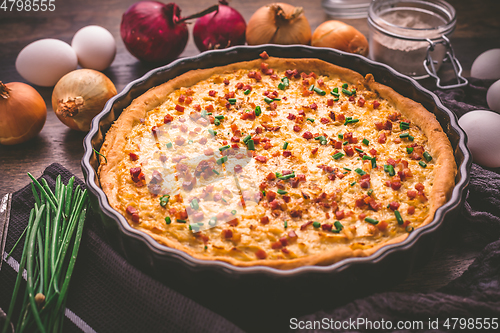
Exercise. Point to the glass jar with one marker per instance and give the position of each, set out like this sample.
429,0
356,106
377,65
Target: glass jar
346,9
412,36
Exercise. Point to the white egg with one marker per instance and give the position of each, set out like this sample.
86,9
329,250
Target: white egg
483,133
487,65
45,61
493,96
95,47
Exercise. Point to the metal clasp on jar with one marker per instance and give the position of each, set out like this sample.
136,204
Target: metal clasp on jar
449,57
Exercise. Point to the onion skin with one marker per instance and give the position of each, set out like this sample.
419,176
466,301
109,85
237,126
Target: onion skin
22,113
278,23
79,96
340,36
220,29
152,31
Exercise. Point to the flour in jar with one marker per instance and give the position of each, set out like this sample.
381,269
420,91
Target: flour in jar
406,56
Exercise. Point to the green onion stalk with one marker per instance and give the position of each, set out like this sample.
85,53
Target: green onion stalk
52,240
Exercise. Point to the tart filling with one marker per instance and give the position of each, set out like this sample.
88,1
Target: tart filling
278,162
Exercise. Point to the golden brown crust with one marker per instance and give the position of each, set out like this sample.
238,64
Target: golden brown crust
440,148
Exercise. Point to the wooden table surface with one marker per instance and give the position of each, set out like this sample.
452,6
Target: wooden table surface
478,29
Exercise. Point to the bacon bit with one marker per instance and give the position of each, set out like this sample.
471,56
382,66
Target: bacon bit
275,77
305,82
248,115
261,159
411,194
188,185
271,176
227,233
184,128
168,119
268,146
320,82
373,152
382,225
339,214
208,152
234,222
276,245
264,67
264,220
331,176
376,104
291,116
134,213
340,117
313,106
330,102
419,187
179,108
327,226
305,225
273,105
391,161
349,150
197,107
361,216
361,102
306,92
275,204
133,156
314,151
394,205
286,198
411,210
270,195
238,168
252,74
421,196
182,214
324,120
137,175
264,55
351,99
382,138
179,140
292,234
365,183
301,113
189,99
287,153
226,82
181,99
209,108
297,128
296,213
258,130
396,183
307,135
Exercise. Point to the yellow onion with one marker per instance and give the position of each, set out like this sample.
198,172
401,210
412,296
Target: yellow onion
278,23
340,36
22,113
79,96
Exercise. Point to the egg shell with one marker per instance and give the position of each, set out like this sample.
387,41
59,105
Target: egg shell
95,47
493,96
45,61
483,133
487,65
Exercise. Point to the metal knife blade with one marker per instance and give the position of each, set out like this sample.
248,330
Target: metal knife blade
4,223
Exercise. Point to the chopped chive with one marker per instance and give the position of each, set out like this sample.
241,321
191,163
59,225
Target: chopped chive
350,121
353,183
338,155
285,224
409,229
346,92
336,94
366,157
168,220
263,193
164,200
345,143
258,111
310,119
390,169
233,212
311,87
216,122
280,191
277,174
285,145
215,171
374,162
404,135
319,91
268,100
285,81
281,86
398,217
404,125
210,113
224,200
370,220
409,150
250,145
411,138
200,223
323,142
320,138
338,227
248,91
212,132
194,204
353,91
190,142
360,172
336,99
232,101
222,160
220,117
341,136
422,164
345,86
212,221
194,227
204,113
346,169
181,221
285,177
427,156
277,99
316,224
246,138
370,192
206,247
358,150
224,148
169,145
345,173
366,142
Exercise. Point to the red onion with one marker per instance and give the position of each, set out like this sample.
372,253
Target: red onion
154,32
220,29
